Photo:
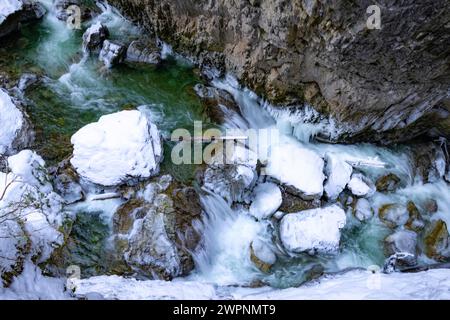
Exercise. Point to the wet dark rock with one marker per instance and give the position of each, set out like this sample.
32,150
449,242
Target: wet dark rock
143,52
429,161
67,182
94,37
219,105
415,221
399,261
388,183
292,203
436,240
112,53
30,11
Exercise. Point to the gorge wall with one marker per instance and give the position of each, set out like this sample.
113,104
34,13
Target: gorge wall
384,85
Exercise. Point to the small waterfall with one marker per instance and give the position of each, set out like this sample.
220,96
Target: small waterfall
224,257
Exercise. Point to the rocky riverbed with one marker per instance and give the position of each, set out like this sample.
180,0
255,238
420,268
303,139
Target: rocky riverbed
92,200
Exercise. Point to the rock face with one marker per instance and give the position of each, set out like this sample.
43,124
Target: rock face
15,133
118,148
94,37
389,84
315,230
13,12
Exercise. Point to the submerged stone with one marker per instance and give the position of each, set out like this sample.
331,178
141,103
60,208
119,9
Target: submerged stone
388,183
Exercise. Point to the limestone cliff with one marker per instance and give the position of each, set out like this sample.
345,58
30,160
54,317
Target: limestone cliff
387,84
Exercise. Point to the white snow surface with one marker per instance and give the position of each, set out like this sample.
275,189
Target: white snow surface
314,230
353,285
297,166
8,7
11,120
339,173
32,285
267,200
115,287
359,187
118,147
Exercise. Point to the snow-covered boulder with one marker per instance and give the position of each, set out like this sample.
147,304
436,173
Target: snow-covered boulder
296,166
15,132
338,173
119,147
315,230
112,53
94,37
360,186
262,255
401,241
363,209
29,206
267,199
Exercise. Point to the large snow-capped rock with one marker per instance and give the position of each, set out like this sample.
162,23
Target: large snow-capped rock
296,166
360,186
338,173
15,128
117,148
315,230
30,214
267,200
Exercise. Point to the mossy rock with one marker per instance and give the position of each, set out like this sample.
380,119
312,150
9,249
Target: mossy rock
436,240
388,183
415,222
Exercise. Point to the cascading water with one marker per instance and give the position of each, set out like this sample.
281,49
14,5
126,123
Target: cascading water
77,90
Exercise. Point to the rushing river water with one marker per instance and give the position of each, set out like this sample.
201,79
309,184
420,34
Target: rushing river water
77,90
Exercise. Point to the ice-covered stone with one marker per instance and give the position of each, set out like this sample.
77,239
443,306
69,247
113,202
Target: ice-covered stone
94,37
393,215
339,173
112,53
262,255
360,186
233,177
401,241
296,166
15,132
267,200
119,147
315,230
363,209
